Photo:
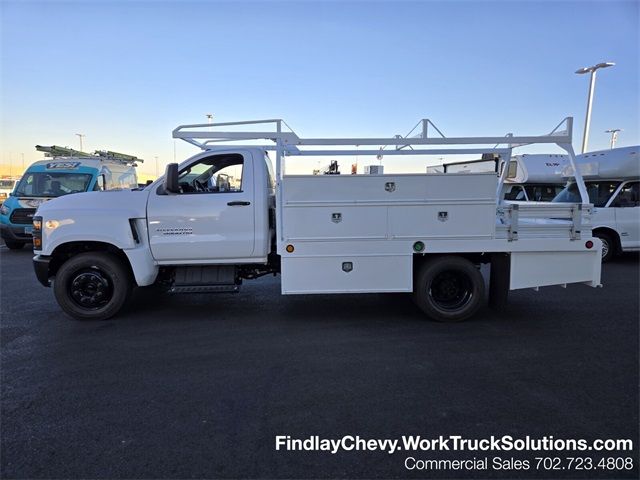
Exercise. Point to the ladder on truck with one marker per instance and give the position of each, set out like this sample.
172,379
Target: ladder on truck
56,151
286,143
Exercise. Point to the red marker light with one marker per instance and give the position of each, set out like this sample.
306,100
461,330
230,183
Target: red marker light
589,244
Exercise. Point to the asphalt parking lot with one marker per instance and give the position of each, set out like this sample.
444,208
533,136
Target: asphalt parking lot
199,386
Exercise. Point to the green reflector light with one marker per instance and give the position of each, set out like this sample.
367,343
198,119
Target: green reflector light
418,247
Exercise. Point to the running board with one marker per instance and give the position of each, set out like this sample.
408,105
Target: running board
204,289
205,279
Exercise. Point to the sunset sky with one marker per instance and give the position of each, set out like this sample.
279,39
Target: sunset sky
126,73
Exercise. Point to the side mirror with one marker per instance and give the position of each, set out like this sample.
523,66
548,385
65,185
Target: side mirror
171,179
101,182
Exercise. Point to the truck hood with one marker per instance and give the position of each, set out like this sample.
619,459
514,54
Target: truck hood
123,203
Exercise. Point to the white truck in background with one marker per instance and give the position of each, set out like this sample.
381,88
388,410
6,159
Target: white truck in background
534,177
194,230
612,179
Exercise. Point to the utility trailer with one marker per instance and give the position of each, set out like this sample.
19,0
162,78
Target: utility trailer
194,230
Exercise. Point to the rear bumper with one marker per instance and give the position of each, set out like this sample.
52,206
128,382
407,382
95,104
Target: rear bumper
16,234
41,267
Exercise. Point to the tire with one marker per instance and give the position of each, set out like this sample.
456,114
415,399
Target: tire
449,289
92,286
13,245
608,246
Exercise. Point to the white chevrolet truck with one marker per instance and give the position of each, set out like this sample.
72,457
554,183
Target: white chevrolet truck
224,216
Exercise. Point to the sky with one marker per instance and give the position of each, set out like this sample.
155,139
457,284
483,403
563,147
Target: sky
126,73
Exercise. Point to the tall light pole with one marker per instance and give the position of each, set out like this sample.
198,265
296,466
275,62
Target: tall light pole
592,84
80,136
156,158
614,136
209,117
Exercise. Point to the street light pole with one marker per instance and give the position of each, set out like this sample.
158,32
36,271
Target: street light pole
80,136
614,136
592,85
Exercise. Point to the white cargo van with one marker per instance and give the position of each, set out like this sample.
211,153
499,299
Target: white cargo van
611,178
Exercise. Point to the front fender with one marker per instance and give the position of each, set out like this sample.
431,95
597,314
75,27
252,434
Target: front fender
115,231
86,226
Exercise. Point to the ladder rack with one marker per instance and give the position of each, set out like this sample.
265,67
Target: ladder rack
55,151
209,136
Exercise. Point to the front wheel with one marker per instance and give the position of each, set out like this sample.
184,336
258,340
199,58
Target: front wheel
13,245
449,289
92,286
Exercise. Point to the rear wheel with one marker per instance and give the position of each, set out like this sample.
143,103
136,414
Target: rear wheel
92,286
13,245
449,289
608,245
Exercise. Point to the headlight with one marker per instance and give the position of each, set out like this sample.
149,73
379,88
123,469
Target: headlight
4,210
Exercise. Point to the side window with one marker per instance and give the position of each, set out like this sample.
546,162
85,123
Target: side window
628,196
600,192
214,174
542,193
515,193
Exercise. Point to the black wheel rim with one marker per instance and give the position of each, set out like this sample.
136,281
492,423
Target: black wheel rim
91,289
451,290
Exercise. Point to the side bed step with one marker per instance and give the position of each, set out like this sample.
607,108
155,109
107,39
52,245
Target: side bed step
205,289
205,279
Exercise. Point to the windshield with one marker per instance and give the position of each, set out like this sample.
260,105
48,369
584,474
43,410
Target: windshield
42,184
599,193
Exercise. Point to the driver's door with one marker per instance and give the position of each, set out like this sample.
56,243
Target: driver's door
212,218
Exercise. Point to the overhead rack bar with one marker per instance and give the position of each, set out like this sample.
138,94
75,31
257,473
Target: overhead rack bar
285,139
208,136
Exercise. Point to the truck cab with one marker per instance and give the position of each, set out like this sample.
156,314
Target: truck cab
218,209
66,172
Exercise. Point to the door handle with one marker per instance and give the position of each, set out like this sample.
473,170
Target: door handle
238,204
